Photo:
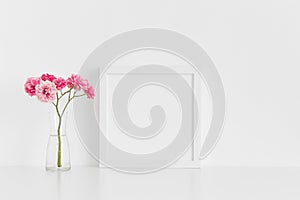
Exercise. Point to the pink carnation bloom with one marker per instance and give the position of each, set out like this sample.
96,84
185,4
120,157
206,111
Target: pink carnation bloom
30,85
76,82
90,92
48,77
45,91
60,83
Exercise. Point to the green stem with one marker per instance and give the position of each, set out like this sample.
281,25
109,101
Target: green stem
63,94
58,132
60,115
79,95
59,144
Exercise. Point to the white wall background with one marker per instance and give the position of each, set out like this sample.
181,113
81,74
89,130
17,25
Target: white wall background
254,44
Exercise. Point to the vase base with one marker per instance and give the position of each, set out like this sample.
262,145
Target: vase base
52,156
55,168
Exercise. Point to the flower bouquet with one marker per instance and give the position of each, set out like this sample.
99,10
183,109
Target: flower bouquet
59,92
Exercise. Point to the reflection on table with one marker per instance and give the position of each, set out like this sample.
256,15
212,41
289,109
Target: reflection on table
182,184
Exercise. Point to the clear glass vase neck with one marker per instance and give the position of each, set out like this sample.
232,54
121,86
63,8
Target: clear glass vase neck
58,124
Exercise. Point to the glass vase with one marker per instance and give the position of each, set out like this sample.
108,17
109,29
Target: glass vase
58,153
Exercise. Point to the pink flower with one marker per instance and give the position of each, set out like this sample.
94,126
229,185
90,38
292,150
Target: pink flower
76,82
60,83
90,92
30,85
45,91
48,77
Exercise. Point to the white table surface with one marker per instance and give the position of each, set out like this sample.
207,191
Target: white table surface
89,183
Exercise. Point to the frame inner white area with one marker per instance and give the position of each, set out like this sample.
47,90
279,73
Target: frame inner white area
141,102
